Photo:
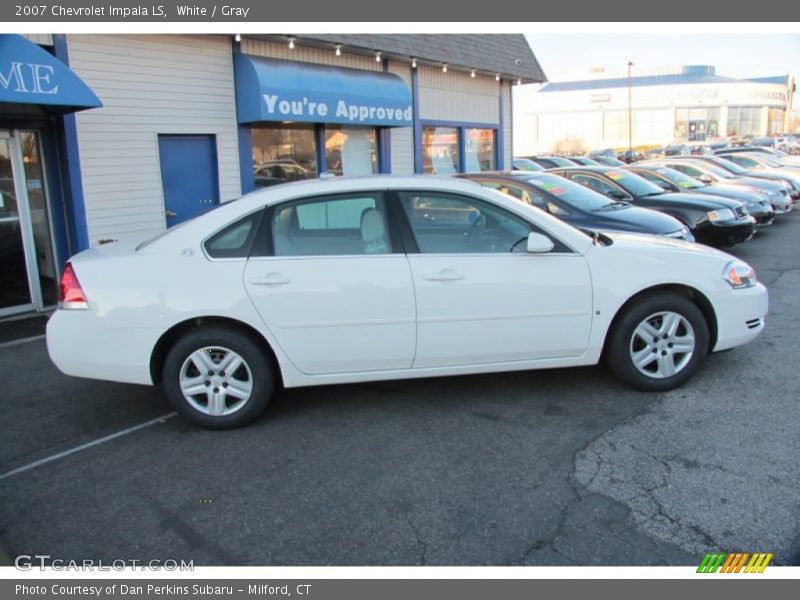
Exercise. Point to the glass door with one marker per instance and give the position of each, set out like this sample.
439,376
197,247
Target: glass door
27,265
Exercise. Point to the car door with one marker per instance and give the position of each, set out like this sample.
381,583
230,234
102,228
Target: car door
333,285
480,297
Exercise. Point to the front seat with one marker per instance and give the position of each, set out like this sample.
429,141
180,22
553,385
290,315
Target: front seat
373,232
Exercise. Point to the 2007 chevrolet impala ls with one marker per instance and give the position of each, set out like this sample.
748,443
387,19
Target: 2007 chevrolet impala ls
337,281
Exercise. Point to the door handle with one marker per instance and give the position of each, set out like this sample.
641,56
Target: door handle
170,213
444,275
271,279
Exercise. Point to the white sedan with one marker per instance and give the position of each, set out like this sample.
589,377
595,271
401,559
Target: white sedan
339,281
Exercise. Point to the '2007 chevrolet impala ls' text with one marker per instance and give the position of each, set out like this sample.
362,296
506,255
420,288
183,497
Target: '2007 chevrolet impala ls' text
350,280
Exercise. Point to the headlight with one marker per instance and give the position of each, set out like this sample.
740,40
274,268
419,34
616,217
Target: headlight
723,214
739,275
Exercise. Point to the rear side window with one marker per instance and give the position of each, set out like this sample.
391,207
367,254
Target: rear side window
332,226
235,240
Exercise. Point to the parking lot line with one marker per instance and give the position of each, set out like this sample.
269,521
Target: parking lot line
33,338
98,441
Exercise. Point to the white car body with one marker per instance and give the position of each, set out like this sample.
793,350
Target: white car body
340,319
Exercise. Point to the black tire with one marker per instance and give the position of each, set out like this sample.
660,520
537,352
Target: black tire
258,371
621,342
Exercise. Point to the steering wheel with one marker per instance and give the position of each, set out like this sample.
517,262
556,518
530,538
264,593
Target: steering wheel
474,233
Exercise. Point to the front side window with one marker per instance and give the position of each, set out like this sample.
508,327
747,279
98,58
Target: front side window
479,150
350,151
445,223
440,150
332,226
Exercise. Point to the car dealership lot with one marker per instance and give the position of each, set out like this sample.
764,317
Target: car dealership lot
548,467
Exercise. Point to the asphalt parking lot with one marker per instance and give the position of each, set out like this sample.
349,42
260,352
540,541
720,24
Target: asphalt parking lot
555,467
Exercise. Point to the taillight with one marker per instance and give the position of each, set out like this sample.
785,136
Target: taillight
70,294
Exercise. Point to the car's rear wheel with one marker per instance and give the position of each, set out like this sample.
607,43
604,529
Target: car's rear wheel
658,343
218,377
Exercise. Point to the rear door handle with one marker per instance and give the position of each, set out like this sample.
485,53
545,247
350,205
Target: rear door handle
271,279
444,275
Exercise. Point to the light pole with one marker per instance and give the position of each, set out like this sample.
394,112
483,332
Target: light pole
630,116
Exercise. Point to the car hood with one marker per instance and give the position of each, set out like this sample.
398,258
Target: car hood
634,218
643,243
704,201
761,179
733,192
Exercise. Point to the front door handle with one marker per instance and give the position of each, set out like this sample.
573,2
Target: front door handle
444,275
271,279
170,213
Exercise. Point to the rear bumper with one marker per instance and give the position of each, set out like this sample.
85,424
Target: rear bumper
81,345
741,315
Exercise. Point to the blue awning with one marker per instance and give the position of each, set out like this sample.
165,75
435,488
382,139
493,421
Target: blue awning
280,90
31,75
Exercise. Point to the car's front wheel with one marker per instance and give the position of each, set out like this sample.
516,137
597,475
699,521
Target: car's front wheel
218,377
659,342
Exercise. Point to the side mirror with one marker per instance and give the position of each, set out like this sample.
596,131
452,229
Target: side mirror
705,178
539,244
556,210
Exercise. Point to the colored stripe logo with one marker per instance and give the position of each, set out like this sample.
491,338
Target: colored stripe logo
735,562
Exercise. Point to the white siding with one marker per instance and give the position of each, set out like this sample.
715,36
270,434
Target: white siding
402,137
455,96
508,118
149,85
43,39
313,55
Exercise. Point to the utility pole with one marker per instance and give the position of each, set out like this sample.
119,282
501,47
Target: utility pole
630,116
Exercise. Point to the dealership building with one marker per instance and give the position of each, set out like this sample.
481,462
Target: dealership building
111,136
688,103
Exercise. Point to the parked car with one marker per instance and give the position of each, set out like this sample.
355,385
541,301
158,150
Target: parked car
220,311
714,221
580,206
677,150
671,180
704,169
783,157
783,179
548,162
629,156
526,164
608,161
758,161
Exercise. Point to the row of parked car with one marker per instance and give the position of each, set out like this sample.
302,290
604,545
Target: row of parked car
721,199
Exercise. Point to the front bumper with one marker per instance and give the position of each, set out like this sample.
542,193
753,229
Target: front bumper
741,315
725,233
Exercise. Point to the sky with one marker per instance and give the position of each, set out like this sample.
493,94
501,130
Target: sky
566,56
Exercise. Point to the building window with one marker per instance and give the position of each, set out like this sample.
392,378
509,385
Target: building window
350,151
775,121
744,121
479,150
440,150
283,153
615,125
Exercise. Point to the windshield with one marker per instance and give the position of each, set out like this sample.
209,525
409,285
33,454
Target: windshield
714,170
560,161
526,164
729,165
681,180
765,160
569,192
633,184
